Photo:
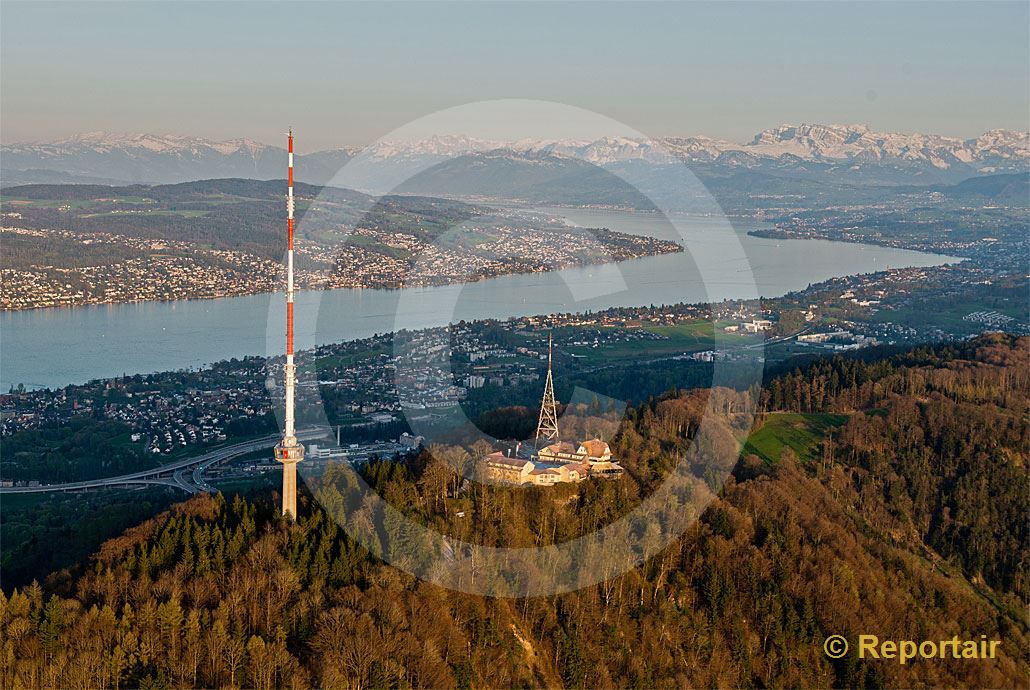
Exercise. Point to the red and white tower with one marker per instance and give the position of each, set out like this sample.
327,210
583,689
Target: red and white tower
289,451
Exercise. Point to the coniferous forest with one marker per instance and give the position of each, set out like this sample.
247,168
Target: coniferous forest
904,518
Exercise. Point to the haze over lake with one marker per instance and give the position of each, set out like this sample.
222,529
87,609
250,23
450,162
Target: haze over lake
55,347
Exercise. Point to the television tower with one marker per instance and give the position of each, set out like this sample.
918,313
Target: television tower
547,427
289,452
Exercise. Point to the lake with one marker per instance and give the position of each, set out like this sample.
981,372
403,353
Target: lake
55,347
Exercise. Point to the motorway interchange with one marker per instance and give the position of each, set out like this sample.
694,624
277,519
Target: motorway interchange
186,474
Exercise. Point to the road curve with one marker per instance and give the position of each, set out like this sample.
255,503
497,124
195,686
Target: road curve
176,471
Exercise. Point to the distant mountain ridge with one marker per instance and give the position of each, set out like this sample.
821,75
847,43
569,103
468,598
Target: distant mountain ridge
153,159
848,153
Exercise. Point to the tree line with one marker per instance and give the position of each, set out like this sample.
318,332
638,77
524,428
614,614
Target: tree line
221,592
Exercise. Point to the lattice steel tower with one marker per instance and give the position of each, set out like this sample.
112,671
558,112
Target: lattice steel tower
289,451
547,427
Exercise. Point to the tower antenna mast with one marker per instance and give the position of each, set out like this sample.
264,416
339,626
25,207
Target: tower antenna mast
547,427
289,451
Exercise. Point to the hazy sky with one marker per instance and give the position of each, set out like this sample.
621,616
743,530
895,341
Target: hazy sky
348,73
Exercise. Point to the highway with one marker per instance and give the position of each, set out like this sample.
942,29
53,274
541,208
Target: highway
186,474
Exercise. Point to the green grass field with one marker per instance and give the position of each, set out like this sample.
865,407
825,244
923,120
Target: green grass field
948,315
15,202
12,204
157,212
692,336
802,433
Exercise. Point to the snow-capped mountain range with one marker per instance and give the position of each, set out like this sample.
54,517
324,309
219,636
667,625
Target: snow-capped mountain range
144,158
819,143
852,151
106,142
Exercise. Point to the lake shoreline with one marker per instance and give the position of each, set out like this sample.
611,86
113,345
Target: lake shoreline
53,347
249,293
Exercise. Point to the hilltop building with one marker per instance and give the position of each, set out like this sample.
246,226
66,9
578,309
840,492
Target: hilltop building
556,462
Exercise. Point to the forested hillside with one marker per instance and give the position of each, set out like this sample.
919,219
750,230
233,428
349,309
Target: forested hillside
901,515
236,214
940,449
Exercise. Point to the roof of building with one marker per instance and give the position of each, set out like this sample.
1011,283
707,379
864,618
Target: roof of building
560,447
500,458
596,448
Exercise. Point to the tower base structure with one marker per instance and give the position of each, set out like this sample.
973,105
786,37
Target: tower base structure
289,455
